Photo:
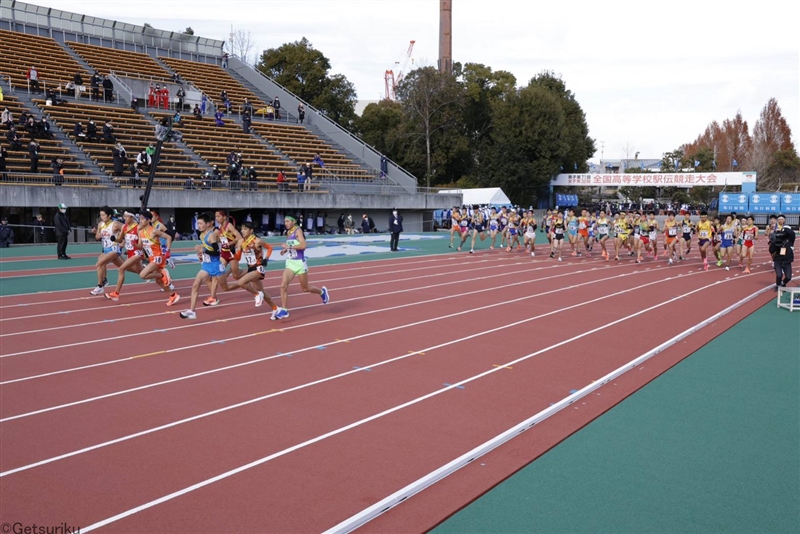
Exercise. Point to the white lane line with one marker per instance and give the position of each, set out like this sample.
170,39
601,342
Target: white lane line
376,416
306,385
340,264
368,514
313,347
262,315
267,283
238,301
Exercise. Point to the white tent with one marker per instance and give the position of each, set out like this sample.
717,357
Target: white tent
485,195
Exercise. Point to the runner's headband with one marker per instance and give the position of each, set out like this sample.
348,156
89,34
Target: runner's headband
290,217
128,214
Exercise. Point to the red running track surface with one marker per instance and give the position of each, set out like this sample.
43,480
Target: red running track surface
123,415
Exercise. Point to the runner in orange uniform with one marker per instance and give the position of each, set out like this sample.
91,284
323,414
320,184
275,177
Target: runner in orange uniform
149,238
133,256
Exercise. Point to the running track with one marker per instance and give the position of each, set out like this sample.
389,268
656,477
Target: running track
124,418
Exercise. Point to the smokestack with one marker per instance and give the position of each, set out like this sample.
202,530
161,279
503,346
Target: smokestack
445,36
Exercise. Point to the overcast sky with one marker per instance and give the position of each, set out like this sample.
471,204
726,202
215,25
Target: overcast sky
649,74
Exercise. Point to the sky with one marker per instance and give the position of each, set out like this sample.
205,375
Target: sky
650,75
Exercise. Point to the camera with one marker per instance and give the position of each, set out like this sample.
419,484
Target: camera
779,238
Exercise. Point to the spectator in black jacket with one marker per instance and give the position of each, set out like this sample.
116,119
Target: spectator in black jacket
91,131
108,133
3,159
33,154
781,247
39,231
395,227
63,228
6,233
364,224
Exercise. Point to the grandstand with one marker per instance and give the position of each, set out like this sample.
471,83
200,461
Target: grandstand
132,129
62,45
212,80
20,52
121,62
18,160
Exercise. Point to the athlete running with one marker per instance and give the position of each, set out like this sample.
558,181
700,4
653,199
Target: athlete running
603,231
211,268
728,234
129,235
106,232
294,249
704,236
478,227
671,237
749,236
149,240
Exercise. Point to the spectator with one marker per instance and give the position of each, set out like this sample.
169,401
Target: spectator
218,118
246,122
63,228
39,231
395,227
108,133
136,179
177,78
23,118
33,154
6,233
77,79
301,113
96,82
301,181
43,129
223,97
203,104
247,107
151,96
320,223
318,161
277,105
265,222
77,131
3,160
252,178
7,118
349,223
120,156
194,225
33,79
364,224
108,90
143,159
282,185
57,165
181,94
177,119
151,151
371,224
171,230
196,112
216,176
91,131
13,139
310,223
340,223
225,60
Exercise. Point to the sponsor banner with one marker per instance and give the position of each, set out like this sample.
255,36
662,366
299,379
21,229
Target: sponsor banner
790,202
765,202
730,202
680,179
566,200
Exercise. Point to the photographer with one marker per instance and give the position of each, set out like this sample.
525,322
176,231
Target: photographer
781,247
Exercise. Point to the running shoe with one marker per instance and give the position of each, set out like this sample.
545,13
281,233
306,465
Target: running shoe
559,258
670,261
727,268
210,302
97,291
471,251
325,297
188,314
552,255
280,313
705,265
533,254
259,299
113,296
173,299
719,263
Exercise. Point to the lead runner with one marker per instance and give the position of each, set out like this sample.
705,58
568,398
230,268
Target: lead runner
294,249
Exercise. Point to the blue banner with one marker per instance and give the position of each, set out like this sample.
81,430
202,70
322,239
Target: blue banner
730,202
765,202
790,202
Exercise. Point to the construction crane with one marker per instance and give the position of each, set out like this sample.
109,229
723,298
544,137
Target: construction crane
390,79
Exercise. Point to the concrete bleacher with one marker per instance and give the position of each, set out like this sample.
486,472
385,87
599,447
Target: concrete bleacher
21,51
122,62
212,80
131,129
302,145
18,160
214,143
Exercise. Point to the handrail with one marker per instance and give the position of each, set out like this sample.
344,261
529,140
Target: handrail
309,106
113,75
10,84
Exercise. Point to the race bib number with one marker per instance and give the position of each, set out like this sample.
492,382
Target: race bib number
158,260
106,242
673,231
249,258
291,254
582,226
261,269
603,230
704,234
206,258
147,248
687,229
559,231
728,236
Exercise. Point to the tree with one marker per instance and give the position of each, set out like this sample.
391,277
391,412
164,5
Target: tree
379,126
528,143
431,102
305,72
773,155
581,146
672,161
188,31
242,45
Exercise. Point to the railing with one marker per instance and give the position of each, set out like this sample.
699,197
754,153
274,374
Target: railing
10,85
77,93
365,187
49,178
